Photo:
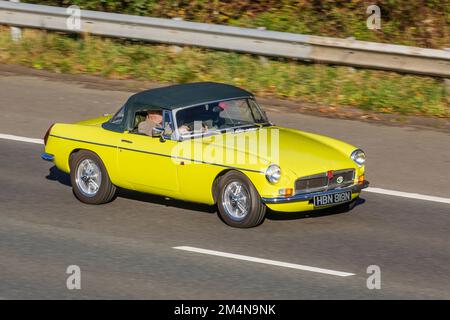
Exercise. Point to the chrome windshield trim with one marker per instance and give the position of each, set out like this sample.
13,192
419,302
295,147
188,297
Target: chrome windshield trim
309,196
180,137
211,101
47,157
234,130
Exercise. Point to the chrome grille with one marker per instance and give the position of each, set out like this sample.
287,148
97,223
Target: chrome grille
316,182
348,177
321,182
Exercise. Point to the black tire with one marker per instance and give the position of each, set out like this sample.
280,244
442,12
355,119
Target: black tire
106,190
256,209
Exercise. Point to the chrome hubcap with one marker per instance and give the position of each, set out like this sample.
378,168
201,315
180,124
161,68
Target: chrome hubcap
236,200
88,178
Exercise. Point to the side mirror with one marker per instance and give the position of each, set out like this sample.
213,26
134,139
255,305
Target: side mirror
157,132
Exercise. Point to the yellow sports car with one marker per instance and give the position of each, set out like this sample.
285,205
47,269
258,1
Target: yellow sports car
209,143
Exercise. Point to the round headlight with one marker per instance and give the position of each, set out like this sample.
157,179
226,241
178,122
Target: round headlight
273,173
359,157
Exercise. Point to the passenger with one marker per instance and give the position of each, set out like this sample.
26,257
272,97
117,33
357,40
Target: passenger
185,129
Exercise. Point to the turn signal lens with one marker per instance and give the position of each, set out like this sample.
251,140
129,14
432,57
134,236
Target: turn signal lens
361,179
286,192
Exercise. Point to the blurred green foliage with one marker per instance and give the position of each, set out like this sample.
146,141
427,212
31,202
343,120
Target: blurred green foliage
379,91
424,23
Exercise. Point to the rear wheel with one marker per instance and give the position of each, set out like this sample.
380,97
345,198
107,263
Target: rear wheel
238,201
90,181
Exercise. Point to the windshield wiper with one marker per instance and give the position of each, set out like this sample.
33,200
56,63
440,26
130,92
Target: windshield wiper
250,125
264,124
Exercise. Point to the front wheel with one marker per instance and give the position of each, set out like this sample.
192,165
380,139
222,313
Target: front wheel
90,181
238,201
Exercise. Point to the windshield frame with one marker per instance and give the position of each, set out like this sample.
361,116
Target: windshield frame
180,137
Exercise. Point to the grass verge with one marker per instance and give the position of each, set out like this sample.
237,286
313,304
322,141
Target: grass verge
424,23
379,91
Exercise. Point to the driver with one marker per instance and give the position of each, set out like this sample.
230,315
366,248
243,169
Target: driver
154,119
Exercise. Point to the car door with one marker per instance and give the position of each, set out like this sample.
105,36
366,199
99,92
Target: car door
146,161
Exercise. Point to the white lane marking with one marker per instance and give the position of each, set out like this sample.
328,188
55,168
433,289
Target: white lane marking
265,261
370,189
19,138
408,195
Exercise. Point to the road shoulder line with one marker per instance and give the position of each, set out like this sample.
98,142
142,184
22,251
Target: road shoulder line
265,261
21,139
407,195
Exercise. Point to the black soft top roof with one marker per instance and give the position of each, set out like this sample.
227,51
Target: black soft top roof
181,95
174,97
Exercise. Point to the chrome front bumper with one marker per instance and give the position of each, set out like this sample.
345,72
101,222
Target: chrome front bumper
47,157
308,196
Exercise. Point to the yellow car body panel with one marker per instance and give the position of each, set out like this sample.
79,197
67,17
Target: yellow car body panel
146,164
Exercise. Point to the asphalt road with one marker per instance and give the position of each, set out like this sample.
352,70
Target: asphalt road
125,248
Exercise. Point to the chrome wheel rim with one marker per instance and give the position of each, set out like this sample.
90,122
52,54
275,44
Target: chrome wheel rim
236,200
88,178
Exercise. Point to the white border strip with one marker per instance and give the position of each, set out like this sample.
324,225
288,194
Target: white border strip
408,195
265,261
19,138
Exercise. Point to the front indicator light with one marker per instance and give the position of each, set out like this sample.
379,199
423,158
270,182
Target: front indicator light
286,192
361,179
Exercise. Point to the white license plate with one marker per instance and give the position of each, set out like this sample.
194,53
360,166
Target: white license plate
333,198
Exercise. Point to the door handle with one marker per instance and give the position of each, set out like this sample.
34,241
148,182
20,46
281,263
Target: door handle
127,141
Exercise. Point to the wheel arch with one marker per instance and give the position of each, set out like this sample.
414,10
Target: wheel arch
76,150
214,187
215,184
72,154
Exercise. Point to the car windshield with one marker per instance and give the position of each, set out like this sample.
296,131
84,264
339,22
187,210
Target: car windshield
218,116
